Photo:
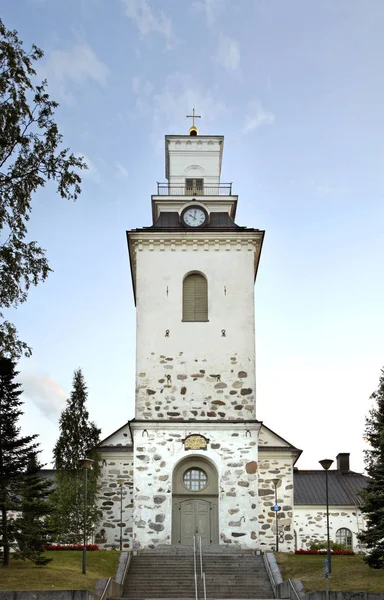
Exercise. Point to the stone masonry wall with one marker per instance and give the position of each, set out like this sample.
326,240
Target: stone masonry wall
116,466
276,466
187,388
234,454
311,524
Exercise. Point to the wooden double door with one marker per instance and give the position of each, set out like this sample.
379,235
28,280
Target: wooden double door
194,516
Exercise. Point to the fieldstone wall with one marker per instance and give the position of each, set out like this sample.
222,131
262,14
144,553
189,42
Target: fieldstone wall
116,466
232,450
311,524
276,466
177,387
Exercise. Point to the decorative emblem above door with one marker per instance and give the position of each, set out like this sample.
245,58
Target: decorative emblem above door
195,442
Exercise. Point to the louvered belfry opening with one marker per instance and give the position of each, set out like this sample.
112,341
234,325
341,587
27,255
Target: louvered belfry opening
195,298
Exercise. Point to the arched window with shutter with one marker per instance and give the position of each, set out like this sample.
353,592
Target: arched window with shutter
195,298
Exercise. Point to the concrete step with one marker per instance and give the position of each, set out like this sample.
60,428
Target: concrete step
168,573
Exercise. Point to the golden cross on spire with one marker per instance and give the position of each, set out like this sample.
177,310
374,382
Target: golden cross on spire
193,116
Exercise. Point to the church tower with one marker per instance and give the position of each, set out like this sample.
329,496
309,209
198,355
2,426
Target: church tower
195,433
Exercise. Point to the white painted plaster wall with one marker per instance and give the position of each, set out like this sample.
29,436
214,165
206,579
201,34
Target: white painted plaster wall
231,450
194,157
211,376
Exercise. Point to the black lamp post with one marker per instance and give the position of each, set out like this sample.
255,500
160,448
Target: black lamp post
85,464
326,463
121,483
275,483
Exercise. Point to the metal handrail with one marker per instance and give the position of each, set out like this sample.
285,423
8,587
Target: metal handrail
194,567
201,559
202,574
106,588
270,575
293,588
218,189
106,591
127,565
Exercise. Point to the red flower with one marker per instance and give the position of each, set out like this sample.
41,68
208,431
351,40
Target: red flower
89,547
323,552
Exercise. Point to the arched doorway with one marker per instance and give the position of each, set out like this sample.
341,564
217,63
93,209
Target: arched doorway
195,502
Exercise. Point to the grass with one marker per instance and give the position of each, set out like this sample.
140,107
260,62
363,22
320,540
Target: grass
349,573
64,572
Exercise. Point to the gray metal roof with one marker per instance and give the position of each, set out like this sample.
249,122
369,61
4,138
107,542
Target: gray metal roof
343,488
171,220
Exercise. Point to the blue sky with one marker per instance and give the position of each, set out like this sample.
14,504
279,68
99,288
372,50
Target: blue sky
297,89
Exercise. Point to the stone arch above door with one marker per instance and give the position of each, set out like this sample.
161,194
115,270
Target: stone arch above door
199,462
195,501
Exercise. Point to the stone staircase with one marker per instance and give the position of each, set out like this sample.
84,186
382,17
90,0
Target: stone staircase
168,573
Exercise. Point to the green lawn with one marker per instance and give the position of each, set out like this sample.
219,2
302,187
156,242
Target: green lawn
64,572
349,573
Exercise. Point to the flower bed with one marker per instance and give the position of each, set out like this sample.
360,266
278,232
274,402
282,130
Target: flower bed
88,547
324,551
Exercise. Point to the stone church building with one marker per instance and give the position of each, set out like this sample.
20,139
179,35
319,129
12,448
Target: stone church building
195,459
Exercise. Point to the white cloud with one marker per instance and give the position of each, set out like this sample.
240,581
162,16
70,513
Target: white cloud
45,393
167,108
143,90
147,21
229,53
177,98
257,116
210,8
78,65
121,171
92,172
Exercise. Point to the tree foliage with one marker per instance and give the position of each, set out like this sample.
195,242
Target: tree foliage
31,155
15,452
373,497
78,439
31,528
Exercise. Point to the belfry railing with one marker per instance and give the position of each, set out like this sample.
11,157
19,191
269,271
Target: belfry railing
218,189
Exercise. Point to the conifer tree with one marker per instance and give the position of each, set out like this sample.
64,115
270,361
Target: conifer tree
373,497
15,452
78,439
31,529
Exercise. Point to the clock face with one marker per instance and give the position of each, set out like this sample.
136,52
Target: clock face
194,216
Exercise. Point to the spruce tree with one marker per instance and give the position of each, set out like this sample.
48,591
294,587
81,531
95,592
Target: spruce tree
373,497
32,531
78,439
15,452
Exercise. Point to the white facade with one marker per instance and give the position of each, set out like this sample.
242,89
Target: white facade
200,370
310,524
198,378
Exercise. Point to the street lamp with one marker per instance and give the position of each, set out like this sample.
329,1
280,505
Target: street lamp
121,483
85,464
326,463
276,508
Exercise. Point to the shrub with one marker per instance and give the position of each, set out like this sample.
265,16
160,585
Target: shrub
322,544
